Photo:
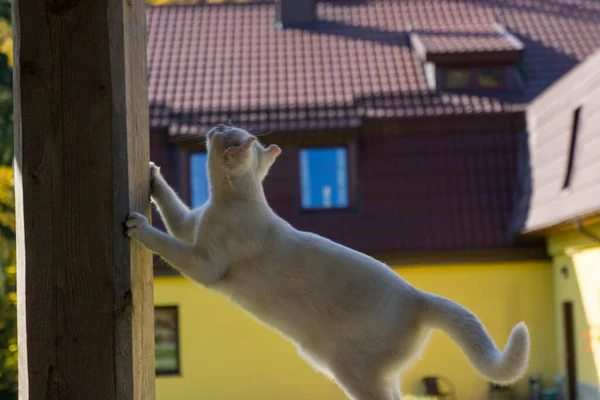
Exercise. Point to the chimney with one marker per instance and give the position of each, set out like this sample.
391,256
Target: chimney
291,13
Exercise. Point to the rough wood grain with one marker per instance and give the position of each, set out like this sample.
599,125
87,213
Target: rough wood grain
85,301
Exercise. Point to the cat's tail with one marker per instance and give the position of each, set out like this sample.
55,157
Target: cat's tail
469,333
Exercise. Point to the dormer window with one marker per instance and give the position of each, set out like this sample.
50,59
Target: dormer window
459,79
473,59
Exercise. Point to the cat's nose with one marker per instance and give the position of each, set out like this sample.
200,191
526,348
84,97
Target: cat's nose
217,129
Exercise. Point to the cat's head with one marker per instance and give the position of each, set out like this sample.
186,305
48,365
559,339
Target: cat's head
237,153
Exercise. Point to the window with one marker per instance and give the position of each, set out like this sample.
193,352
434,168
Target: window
166,340
324,177
489,79
572,145
198,180
457,79
475,79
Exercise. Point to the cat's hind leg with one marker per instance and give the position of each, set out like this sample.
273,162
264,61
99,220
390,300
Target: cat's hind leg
364,381
397,393
315,362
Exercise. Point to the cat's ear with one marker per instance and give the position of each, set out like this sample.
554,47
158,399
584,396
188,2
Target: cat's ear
242,148
273,151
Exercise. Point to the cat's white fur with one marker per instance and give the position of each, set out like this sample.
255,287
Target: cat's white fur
349,315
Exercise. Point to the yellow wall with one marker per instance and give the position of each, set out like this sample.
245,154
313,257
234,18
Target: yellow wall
581,257
226,355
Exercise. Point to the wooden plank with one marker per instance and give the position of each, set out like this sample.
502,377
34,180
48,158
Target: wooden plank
85,303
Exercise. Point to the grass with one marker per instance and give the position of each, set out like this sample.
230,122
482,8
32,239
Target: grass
166,356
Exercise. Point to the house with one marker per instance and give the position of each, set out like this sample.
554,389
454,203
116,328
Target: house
412,131
560,181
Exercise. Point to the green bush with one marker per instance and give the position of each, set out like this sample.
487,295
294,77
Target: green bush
8,296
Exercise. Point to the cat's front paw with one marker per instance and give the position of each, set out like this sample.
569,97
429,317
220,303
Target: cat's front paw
155,177
154,170
136,224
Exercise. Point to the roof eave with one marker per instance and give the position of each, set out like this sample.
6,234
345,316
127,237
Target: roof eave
566,225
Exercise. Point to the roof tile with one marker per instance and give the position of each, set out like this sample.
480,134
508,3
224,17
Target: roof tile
211,63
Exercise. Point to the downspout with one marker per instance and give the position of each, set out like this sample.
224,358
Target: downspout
584,232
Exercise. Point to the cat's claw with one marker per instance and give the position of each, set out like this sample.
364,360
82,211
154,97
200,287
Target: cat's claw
135,224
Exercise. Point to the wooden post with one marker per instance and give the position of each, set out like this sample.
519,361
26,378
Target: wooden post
85,303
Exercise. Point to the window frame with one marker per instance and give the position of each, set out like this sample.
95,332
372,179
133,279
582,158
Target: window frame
352,174
177,371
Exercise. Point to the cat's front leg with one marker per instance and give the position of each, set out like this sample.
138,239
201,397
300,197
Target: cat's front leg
191,260
173,211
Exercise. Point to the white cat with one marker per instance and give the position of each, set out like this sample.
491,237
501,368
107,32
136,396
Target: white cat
349,315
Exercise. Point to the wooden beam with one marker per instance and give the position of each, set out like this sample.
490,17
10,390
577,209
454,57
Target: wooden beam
85,304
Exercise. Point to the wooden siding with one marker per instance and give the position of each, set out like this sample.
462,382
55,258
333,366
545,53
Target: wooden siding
550,121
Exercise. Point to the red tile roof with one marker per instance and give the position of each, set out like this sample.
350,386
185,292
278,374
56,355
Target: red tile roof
212,63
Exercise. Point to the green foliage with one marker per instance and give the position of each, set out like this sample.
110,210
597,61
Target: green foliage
8,295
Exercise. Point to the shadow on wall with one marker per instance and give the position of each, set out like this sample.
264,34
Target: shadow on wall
523,187
541,66
535,82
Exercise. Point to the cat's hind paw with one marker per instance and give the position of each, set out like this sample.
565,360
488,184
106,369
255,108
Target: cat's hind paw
135,225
